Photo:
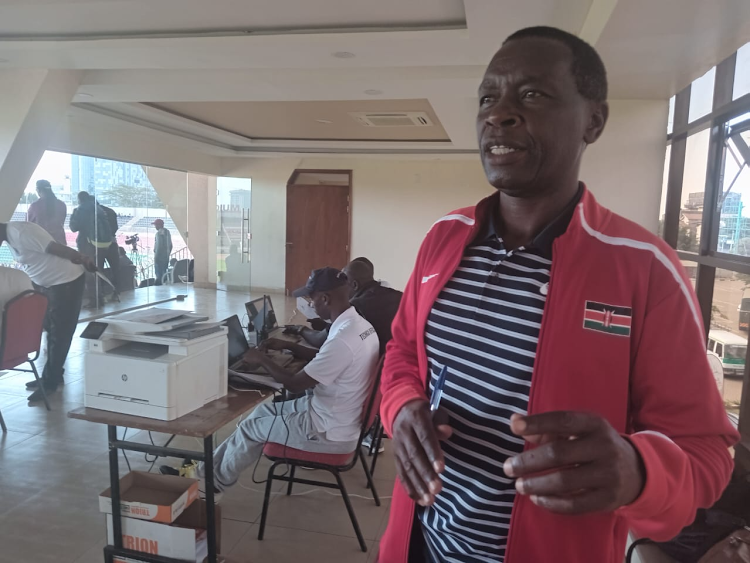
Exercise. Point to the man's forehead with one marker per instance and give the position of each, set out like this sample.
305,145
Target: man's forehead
532,57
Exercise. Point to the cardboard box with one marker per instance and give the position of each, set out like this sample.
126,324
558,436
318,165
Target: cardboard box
185,539
158,498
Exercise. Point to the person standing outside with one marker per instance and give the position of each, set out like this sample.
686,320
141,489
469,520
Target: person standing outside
48,212
96,240
57,271
578,403
162,250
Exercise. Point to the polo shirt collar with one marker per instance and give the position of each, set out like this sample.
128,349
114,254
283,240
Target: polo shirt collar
544,240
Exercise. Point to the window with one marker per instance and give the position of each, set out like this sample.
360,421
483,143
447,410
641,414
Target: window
734,218
728,334
670,117
693,192
702,96
127,190
742,73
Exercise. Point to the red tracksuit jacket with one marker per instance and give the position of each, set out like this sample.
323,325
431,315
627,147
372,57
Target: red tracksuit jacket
653,385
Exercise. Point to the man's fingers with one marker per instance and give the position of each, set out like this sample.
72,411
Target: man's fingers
414,454
405,480
427,436
561,423
444,431
564,482
422,493
554,455
595,500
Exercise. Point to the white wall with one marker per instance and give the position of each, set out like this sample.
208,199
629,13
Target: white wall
624,168
32,104
394,202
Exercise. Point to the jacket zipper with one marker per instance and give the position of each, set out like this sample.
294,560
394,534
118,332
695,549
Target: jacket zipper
535,375
423,353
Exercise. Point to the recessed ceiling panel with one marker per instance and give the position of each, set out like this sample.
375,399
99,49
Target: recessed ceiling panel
133,17
334,120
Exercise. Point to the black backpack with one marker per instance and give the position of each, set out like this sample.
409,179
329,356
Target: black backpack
711,525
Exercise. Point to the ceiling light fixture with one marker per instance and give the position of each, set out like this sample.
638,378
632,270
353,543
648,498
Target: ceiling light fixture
373,92
85,95
343,55
324,121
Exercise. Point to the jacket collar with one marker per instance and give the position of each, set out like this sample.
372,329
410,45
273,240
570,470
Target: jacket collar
489,222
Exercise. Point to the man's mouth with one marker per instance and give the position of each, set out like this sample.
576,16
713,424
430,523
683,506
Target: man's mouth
502,149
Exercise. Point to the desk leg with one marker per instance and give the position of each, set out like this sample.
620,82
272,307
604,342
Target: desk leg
114,483
208,449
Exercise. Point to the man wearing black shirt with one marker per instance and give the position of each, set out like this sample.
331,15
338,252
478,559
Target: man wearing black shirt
377,304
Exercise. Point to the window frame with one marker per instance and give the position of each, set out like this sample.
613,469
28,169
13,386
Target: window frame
707,259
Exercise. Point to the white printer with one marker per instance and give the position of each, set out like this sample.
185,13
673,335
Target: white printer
161,370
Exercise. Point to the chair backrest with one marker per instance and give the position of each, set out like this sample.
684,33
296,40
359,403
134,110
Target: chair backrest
23,324
372,405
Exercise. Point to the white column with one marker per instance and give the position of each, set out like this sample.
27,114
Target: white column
202,227
32,104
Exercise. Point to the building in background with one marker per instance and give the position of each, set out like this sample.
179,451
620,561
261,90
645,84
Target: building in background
96,175
240,198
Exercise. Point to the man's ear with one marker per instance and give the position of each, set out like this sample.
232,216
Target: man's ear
597,121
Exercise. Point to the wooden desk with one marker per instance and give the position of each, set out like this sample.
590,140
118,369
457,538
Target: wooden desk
201,423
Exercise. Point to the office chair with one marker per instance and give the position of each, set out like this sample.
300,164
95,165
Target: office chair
335,464
23,324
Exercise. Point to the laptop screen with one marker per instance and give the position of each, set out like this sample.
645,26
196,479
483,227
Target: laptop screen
254,310
237,342
271,322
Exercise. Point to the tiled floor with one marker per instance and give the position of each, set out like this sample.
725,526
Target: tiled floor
52,469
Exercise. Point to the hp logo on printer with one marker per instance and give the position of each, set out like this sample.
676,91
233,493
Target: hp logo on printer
124,377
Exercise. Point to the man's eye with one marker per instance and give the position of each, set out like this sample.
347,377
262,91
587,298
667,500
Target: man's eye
484,100
530,94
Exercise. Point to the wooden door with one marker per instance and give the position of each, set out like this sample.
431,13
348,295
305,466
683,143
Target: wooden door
317,230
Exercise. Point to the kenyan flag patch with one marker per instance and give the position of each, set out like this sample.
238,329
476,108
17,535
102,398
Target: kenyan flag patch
607,318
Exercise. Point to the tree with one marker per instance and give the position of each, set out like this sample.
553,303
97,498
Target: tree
129,196
30,197
686,239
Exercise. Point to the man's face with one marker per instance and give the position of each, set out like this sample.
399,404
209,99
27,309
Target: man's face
532,123
321,304
353,285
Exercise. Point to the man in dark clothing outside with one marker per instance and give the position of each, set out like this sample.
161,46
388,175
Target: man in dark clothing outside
96,239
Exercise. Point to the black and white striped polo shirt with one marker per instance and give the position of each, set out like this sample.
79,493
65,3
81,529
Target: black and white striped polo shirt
485,327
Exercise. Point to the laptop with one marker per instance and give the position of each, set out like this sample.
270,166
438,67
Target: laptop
262,319
238,345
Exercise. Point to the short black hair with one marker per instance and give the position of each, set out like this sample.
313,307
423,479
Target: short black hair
364,260
588,68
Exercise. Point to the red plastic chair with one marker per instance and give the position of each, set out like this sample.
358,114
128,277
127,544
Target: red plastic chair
280,454
23,324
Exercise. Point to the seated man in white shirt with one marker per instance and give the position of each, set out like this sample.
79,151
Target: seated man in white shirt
13,282
57,271
329,419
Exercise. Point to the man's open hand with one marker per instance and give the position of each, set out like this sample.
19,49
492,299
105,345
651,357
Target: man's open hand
580,465
416,445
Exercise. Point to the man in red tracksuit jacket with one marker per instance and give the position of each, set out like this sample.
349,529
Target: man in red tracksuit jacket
578,402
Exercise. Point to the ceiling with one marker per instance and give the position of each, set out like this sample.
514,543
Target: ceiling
245,76
70,18
325,120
